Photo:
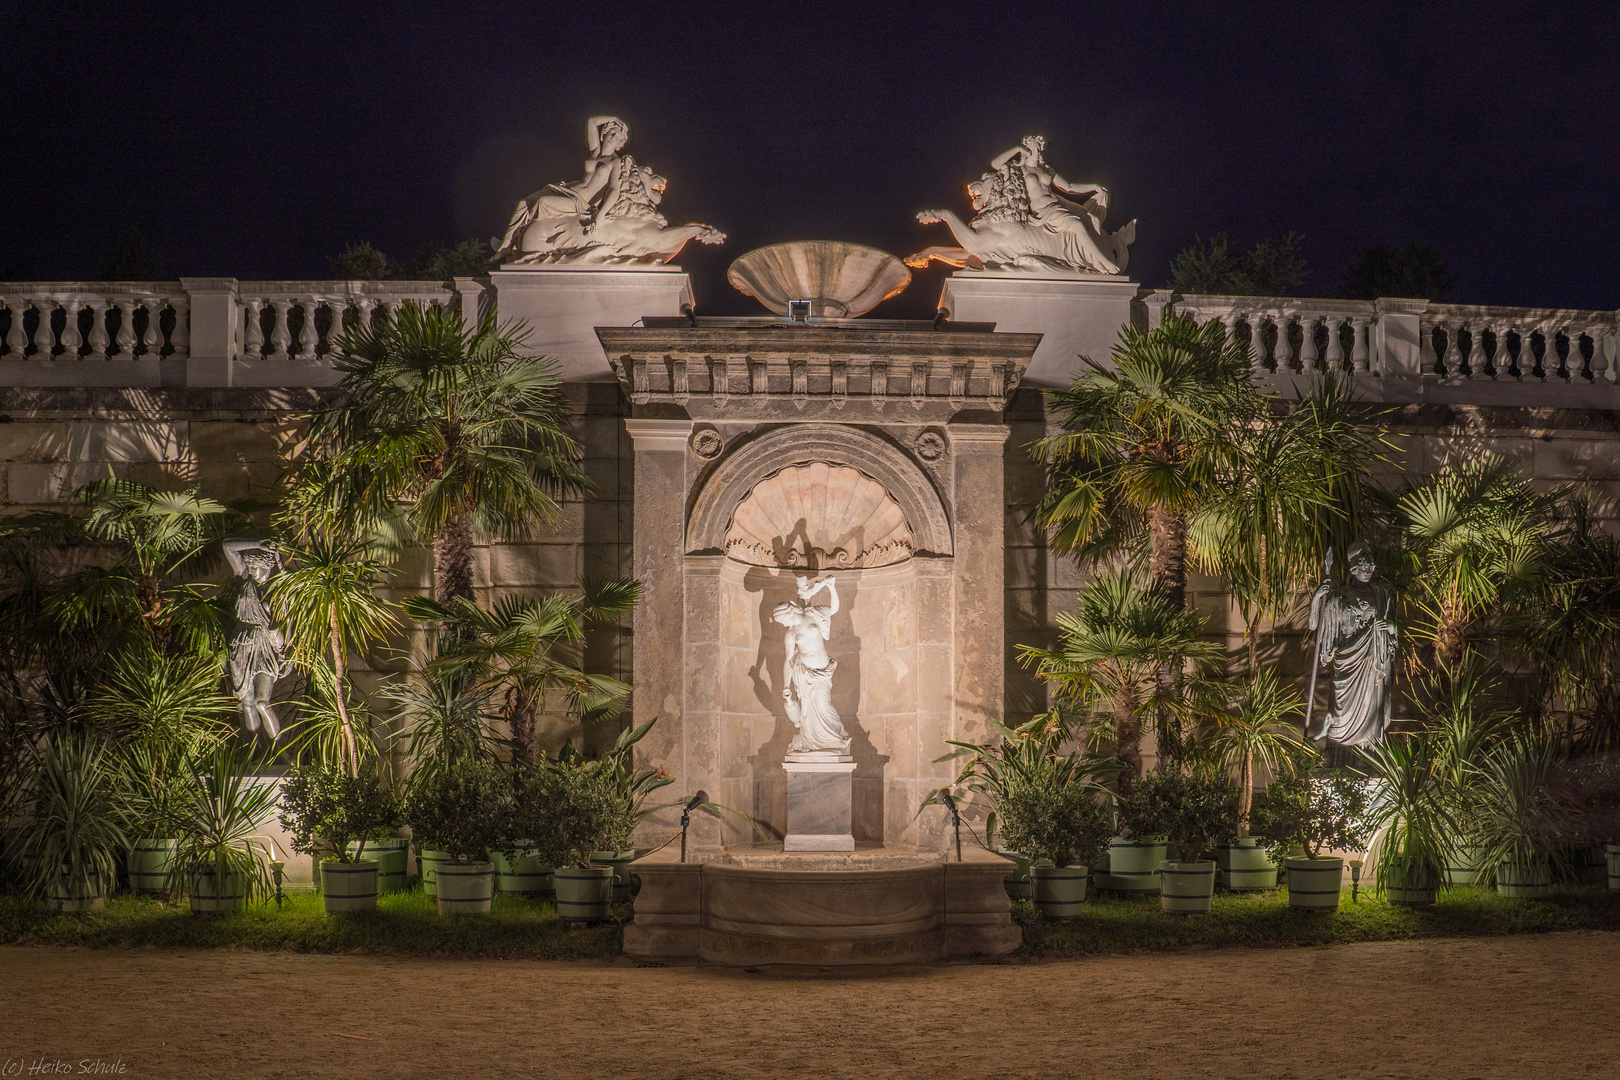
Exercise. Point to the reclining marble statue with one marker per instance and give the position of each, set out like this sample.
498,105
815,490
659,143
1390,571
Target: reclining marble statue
258,652
608,216
1023,220
1355,644
808,671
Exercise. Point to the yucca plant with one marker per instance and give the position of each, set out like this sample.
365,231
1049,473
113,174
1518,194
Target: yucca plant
1412,826
1525,816
219,821
75,837
322,734
446,724
168,704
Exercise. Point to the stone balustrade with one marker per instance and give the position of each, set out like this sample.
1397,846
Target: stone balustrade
1412,350
195,331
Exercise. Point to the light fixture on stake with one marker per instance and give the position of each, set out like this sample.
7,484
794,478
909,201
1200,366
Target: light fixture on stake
686,816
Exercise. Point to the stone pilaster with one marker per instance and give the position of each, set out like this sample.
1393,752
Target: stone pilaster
979,498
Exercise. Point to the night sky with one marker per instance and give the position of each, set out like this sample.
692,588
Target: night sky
255,140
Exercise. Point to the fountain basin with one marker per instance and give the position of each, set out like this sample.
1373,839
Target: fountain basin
876,906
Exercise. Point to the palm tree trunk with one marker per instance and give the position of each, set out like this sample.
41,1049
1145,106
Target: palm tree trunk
1167,558
520,719
1245,792
1128,743
1251,631
339,692
452,560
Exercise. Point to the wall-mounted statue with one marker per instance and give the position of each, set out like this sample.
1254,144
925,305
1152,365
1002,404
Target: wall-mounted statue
1355,643
608,216
1023,220
258,652
807,673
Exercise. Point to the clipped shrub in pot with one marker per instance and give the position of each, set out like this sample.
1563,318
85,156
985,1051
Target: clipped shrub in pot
462,810
1314,812
221,855
325,809
1193,810
74,837
570,809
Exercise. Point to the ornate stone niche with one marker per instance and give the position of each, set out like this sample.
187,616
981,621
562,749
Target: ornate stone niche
872,454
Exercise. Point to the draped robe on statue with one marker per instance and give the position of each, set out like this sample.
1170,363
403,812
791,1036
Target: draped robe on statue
1356,645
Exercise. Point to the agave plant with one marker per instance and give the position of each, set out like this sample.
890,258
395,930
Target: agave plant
218,822
76,834
1412,825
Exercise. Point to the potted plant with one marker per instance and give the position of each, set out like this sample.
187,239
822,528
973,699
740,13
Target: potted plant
1526,815
1314,813
462,811
221,855
1410,824
1245,726
325,809
149,778
1192,809
75,836
571,809
1598,784
636,787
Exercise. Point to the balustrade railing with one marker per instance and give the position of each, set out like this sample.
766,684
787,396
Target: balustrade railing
300,320
121,320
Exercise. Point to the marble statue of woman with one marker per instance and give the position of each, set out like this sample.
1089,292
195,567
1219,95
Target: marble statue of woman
557,215
1355,644
807,673
258,653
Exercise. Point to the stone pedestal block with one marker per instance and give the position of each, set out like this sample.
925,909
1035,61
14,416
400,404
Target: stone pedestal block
1078,315
820,797
563,307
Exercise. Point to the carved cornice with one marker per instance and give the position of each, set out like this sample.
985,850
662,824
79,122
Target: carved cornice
748,372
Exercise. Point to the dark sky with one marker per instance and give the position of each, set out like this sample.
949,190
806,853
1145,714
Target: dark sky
254,140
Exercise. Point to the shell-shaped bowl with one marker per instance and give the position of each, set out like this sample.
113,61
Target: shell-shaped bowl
841,281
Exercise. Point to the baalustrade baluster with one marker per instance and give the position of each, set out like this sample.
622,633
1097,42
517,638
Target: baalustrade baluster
1283,351
252,329
1605,343
1427,360
1360,355
1308,354
1451,362
368,308
339,307
280,336
98,329
1257,342
71,339
307,337
124,342
1476,352
1525,360
1335,344
16,336
44,333
180,336
152,336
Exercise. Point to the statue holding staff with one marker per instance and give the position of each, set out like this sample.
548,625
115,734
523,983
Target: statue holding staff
808,670
258,652
1355,641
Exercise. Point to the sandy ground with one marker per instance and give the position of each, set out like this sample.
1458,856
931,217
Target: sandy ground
1541,1007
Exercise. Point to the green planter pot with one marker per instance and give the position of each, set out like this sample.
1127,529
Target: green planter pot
583,893
1186,888
620,862
149,863
1313,884
465,888
349,886
1408,889
1527,881
207,897
428,862
1059,892
1017,879
1133,864
1247,865
529,875
77,899
1611,852
391,857
1589,865
1463,866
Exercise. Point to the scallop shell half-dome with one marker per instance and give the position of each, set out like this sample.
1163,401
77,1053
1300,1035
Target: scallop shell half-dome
819,516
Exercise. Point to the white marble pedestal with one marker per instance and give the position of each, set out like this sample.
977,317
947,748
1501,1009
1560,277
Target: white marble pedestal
1076,314
820,797
562,307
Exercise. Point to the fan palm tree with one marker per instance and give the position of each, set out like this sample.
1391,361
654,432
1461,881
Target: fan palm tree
1473,535
1111,650
453,426
1250,723
530,647
1145,445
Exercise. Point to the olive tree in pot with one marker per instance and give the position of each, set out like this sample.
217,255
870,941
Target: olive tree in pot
462,811
1314,813
326,809
221,855
1193,809
1410,823
72,841
569,810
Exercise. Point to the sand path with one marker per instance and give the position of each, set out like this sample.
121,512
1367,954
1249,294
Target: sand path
1542,1007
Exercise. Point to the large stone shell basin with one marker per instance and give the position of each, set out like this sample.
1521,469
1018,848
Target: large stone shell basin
841,281
822,908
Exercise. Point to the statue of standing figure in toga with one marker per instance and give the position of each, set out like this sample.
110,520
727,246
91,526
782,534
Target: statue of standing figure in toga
807,673
258,652
1355,643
